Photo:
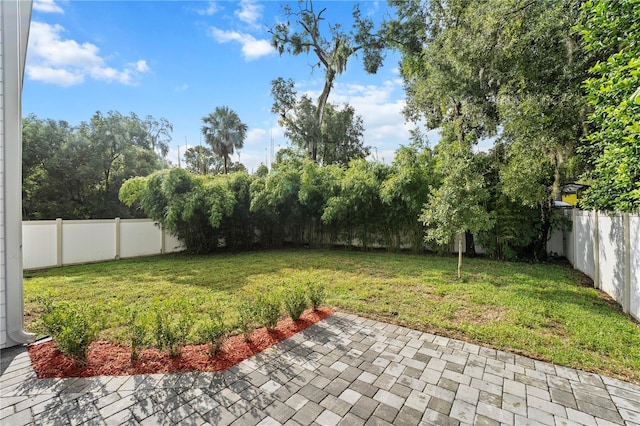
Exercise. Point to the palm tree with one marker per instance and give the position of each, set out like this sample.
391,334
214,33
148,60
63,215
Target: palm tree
224,132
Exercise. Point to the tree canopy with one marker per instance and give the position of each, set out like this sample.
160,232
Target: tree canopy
611,30
337,141
224,132
511,70
76,172
302,31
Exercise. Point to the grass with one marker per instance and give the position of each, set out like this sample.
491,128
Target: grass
547,312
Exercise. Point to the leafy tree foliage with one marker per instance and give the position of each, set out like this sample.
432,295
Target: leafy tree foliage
333,53
358,209
224,132
515,227
542,108
407,187
458,205
159,133
276,199
297,202
190,207
200,160
474,67
76,172
317,185
239,228
337,141
611,29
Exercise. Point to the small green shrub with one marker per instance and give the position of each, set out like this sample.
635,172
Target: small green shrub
213,332
138,332
317,294
295,302
173,321
268,309
73,327
247,315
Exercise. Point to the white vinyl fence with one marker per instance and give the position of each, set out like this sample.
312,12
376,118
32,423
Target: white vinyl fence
606,247
47,243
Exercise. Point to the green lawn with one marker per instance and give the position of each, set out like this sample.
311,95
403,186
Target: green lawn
544,311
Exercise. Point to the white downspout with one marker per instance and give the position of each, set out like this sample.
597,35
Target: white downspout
16,19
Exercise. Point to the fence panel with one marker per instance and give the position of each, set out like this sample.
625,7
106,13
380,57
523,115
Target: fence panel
555,244
584,244
139,237
611,255
39,244
172,244
66,242
569,238
634,247
88,241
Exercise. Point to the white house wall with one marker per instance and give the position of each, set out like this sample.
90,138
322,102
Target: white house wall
3,310
15,17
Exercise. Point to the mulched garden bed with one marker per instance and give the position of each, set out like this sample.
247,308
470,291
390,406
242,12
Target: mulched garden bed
110,359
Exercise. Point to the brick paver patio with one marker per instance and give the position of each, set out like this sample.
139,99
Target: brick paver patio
344,370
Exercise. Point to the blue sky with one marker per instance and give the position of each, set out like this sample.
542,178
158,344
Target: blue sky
182,59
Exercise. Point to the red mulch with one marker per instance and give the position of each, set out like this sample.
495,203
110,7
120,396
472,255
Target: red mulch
110,359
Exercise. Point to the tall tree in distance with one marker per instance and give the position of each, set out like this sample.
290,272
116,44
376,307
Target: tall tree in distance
446,66
224,132
339,138
76,172
333,53
510,65
159,133
200,160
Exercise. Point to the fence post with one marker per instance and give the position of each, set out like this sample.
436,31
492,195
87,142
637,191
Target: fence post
58,242
117,238
163,249
574,225
596,252
626,289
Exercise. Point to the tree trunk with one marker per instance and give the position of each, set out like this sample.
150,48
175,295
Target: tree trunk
322,102
540,244
470,244
460,256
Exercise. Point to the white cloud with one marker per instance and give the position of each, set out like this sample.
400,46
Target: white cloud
256,136
181,88
257,147
249,13
66,62
142,67
381,109
47,6
385,156
252,48
211,9
57,76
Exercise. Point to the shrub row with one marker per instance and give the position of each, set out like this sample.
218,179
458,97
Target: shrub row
173,322
365,204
